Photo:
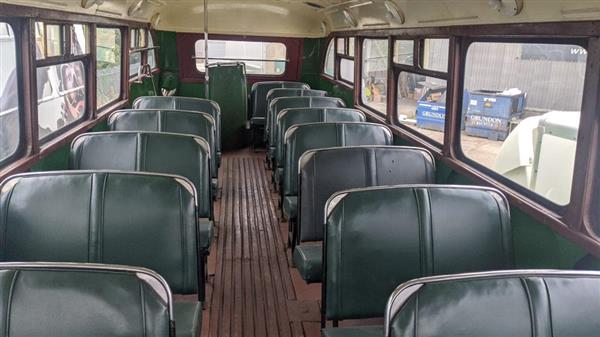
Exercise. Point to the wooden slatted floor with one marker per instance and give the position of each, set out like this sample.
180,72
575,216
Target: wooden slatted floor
252,291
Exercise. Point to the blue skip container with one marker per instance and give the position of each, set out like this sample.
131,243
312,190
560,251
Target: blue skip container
489,113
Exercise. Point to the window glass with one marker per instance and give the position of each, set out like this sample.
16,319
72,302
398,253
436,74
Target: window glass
108,65
435,54
135,61
422,104
142,37
80,39
351,47
404,51
347,70
53,40
40,41
341,46
261,58
329,60
151,53
9,94
521,108
61,96
374,74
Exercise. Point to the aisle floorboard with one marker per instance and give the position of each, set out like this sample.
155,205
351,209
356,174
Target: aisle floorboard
252,291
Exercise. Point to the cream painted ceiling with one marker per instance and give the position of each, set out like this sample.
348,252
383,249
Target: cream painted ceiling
297,18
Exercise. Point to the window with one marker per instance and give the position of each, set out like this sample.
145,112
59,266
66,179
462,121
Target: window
347,70
108,65
328,69
374,74
522,103
10,129
435,54
61,96
422,104
151,53
403,52
80,39
341,46
49,40
135,62
141,51
260,58
351,47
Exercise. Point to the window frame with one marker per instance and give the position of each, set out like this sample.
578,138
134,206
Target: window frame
330,77
22,20
66,57
575,222
21,142
358,90
267,76
561,210
418,69
142,49
124,74
338,57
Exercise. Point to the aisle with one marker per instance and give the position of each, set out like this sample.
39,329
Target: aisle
253,291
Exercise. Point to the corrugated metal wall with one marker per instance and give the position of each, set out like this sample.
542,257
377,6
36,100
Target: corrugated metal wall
550,84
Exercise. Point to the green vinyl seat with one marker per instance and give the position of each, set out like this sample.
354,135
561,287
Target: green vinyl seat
546,303
185,103
326,171
258,97
159,152
276,93
304,137
293,116
227,86
276,105
127,218
171,121
379,237
58,299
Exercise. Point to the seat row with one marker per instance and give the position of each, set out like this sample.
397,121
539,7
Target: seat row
140,196
365,216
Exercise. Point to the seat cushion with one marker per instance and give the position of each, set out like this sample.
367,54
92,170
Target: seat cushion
188,318
358,331
290,206
257,121
206,234
308,258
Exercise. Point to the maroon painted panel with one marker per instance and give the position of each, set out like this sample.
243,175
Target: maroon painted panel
187,67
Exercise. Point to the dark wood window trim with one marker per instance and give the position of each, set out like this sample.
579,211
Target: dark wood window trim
22,20
575,221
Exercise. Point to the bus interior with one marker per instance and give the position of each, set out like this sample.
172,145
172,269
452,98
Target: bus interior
299,168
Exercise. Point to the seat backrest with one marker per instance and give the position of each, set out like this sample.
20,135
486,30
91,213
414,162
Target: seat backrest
379,237
126,218
326,171
279,104
503,303
258,94
173,121
290,117
49,299
303,137
183,103
171,153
